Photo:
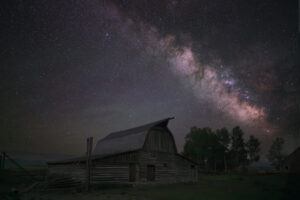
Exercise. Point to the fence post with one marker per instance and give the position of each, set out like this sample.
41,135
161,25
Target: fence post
2,166
1,161
89,148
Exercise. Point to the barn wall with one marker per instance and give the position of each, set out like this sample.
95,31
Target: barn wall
114,169
110,172
186,170
165,169
160,139
169,168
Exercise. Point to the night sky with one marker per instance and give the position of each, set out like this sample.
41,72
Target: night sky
76,68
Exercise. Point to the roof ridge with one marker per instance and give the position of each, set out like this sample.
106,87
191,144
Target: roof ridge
113,135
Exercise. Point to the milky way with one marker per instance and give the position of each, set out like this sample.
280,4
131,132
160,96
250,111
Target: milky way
203,80
206,84
73,69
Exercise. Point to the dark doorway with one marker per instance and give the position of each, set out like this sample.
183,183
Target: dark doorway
150,173
194,173
132,172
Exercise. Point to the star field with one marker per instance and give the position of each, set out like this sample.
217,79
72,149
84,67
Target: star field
73,69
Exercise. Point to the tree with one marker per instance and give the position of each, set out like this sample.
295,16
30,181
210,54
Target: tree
275,155
224,141
253,149
201,145
220,148
238,151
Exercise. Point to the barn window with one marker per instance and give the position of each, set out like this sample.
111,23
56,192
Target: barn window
165,165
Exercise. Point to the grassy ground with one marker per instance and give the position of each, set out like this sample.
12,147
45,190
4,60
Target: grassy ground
216,187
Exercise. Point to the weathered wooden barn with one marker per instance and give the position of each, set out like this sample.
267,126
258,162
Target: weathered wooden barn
145,154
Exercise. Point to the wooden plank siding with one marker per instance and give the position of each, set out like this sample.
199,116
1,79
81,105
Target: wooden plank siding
114,168
115,172
186,170
165,169
169,168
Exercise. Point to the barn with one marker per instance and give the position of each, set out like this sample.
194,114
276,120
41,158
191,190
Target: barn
140,155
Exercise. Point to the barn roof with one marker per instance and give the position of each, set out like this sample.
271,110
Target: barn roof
127,140
121,141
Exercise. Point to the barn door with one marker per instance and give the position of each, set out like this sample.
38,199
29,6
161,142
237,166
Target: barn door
150,173
194,174
132,172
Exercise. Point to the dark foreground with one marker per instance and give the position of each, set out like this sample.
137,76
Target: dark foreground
217,187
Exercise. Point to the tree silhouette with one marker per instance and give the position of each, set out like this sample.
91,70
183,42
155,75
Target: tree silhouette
253,149
238,151
201,145
275,155
220,149
224,141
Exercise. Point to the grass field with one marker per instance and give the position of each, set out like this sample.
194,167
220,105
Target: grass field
216,187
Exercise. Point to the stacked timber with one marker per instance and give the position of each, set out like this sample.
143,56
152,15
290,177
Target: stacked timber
110,173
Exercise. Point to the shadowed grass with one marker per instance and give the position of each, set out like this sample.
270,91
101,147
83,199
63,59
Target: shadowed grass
221,187
216,187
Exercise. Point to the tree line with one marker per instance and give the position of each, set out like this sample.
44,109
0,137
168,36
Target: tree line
225,150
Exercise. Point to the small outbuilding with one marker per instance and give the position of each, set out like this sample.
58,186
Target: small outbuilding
145,154
292,162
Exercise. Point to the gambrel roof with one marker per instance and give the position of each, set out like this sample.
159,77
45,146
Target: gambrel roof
120,142
128,140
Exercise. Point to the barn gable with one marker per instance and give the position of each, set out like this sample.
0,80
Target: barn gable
161,140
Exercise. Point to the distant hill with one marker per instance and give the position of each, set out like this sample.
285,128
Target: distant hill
32,160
